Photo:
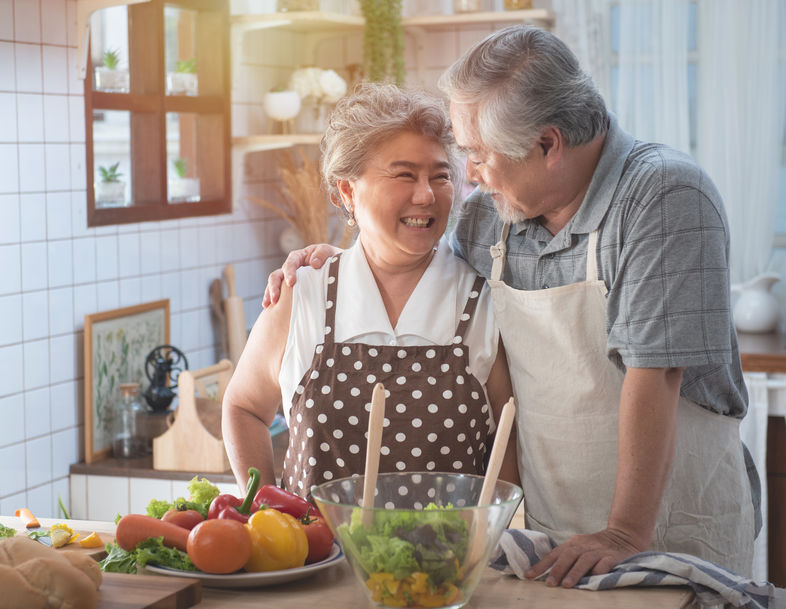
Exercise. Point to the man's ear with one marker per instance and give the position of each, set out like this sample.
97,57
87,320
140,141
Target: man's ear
552,145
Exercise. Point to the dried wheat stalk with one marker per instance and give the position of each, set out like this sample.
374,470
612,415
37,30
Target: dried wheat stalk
305,204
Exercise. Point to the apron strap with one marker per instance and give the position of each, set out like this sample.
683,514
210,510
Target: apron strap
498,251
592,256
330,303
469,309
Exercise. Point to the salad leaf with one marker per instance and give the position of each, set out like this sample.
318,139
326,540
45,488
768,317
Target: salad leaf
7,531
202,493
433,541
151,551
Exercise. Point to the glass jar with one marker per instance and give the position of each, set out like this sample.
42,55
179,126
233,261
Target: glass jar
517,5
467,6
127,442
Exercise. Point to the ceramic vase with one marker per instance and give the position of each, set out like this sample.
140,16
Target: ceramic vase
756,309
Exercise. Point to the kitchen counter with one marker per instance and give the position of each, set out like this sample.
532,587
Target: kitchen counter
337,587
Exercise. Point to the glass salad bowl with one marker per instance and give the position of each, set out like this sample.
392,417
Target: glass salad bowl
426,542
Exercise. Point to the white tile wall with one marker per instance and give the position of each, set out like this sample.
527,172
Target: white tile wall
56,270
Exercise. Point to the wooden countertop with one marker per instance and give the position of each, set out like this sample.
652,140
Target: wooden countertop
762,352
337,587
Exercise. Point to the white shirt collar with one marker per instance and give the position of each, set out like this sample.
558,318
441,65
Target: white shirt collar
361,310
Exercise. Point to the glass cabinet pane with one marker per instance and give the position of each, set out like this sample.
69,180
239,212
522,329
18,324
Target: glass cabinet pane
111,158
191,141
109,50
182,76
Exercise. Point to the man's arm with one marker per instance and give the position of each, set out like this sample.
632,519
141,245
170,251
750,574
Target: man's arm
647,436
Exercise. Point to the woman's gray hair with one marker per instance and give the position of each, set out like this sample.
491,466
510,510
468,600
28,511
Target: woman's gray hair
373,114
525,79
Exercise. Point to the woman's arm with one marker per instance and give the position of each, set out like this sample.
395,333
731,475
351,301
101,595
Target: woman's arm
500,390
254,395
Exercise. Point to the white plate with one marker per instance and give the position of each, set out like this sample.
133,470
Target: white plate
253,580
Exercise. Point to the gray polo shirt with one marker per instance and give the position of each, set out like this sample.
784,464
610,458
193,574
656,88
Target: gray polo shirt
663,252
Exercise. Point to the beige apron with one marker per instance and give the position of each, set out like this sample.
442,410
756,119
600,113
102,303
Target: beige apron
568,393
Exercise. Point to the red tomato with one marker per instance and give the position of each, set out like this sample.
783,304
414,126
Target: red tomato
187,519
219,546
320,539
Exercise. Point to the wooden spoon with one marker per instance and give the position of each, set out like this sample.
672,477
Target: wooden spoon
478,541
376,419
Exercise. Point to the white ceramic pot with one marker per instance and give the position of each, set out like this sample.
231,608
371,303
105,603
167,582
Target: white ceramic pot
182,83
756,309
111,81
282,105
183,190
110,194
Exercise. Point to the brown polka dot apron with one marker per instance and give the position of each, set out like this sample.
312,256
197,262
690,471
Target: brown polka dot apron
436,414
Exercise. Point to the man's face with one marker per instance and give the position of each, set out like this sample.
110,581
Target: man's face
514,185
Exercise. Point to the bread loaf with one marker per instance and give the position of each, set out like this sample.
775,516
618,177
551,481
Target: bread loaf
39,577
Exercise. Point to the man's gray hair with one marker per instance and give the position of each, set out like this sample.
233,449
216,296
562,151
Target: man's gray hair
525,79
372,115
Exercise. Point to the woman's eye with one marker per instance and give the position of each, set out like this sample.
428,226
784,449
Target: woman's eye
405,175
443,177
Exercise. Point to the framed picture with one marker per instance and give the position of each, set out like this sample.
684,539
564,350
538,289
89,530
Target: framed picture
116,345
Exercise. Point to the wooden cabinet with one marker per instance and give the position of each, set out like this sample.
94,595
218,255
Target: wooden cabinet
157,110
767,353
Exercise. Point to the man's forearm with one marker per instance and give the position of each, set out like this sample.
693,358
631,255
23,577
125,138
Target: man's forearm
647,436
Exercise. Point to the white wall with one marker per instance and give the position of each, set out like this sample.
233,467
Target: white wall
54,270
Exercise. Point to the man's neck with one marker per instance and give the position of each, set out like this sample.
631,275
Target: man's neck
578,169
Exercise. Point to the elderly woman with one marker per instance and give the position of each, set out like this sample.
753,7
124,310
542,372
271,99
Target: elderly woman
397,308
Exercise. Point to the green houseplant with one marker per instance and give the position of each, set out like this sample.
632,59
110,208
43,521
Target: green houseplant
180,188
184,80
108,76
110,190
383,41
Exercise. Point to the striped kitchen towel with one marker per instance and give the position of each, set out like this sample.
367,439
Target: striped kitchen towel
713,585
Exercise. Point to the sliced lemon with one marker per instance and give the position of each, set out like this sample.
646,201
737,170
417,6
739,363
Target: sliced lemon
91,541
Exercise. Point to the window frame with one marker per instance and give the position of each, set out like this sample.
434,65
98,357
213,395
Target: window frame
148,105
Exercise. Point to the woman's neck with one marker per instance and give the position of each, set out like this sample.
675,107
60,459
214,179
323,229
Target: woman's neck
396,282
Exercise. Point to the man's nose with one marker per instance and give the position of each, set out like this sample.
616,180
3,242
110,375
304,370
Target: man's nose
472,173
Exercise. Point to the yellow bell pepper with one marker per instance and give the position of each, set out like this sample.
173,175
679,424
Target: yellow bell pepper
277,541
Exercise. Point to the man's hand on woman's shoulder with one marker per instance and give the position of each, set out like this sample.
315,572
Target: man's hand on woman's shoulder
311,255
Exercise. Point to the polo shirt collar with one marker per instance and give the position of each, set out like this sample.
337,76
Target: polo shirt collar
363,312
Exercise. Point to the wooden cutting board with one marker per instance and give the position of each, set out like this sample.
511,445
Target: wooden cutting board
95,553
121,591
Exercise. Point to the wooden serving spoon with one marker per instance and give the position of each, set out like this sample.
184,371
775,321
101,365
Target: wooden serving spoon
376,419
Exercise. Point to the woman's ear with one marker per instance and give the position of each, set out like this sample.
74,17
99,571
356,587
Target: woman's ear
345,190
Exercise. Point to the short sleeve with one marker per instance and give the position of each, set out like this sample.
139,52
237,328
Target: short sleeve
668,305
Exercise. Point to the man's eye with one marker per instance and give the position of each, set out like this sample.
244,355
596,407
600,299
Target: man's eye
406,175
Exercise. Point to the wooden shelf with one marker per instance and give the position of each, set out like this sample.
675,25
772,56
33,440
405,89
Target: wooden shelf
539,16
256,143
301,22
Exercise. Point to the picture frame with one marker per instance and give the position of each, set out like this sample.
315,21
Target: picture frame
116,345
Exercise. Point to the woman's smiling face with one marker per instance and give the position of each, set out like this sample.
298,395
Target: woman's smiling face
402,200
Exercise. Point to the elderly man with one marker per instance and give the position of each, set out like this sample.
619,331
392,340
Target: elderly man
608,260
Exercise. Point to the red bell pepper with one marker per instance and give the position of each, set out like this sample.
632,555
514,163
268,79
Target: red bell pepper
230,507
277,498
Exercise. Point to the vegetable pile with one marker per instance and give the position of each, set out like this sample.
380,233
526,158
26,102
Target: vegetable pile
266,530
410,559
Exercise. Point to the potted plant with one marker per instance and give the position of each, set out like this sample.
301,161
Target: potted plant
184,81
108,76
182,189
383,41
282,105
110,189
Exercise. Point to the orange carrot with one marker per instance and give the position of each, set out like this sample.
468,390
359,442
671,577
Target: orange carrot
134,528
30,521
